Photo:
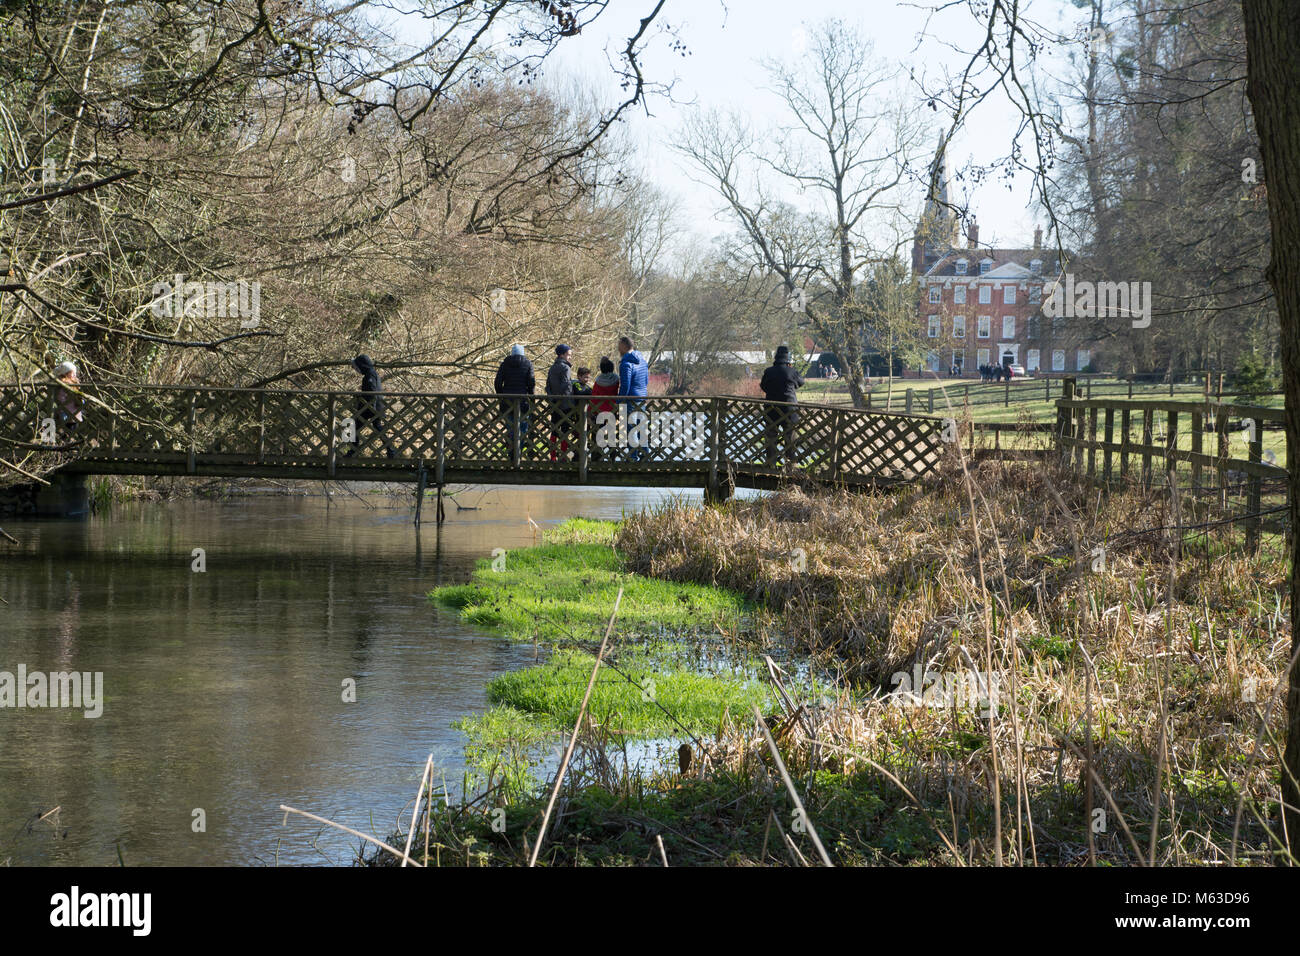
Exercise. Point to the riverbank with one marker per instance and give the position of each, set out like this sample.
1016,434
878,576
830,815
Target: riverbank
1064,677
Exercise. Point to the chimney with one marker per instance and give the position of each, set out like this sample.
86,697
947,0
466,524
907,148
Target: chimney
972,235
1038,237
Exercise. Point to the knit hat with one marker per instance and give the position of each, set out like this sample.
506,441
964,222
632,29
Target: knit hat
561,349
782,355
517,350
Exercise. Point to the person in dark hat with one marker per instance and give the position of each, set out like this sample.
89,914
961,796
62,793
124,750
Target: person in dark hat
515,377
370,405
778,384
559,385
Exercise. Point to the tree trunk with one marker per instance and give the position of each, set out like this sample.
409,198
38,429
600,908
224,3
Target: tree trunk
1273,85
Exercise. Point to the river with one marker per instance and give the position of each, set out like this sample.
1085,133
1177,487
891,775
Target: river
224,689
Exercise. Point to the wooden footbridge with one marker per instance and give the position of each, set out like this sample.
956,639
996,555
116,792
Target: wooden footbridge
714,443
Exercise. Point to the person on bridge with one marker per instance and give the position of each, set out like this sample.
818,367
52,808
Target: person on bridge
633,383
778,384
69,410
370,406
515,377
606,383
559,385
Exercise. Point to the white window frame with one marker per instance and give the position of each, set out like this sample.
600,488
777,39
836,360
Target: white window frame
1035,266
1008,295
984,327
1058,360
1081,359
959,326
1008,327
986,295
959,359
935,294
933,326
1033,360
981,356
985,265
959,294
960,267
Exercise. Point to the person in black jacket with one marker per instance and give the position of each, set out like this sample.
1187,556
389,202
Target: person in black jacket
778,384
370,405
515,377
559,385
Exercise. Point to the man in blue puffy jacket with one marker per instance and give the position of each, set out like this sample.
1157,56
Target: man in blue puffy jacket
633,382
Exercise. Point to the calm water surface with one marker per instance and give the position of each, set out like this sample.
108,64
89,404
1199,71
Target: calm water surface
223,690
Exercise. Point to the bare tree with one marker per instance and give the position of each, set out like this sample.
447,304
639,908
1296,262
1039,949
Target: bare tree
847,145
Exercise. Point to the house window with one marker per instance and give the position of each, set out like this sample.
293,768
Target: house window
986,294
934,326
1058,325
959,295
1008,327
1035,294
985,265
982,357
958,360
1058,360
1035,266
961,267
934,293
982,330
1008,295
1083,358
1033,327
1031,360
959,326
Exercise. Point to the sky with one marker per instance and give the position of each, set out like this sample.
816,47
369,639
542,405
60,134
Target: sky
726,41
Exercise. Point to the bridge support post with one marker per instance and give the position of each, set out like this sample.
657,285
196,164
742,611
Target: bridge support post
66,496
442,515
419,493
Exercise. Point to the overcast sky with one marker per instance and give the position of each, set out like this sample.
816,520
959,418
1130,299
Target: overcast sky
725,42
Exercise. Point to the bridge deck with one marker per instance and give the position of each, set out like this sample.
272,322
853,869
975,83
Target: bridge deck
710,442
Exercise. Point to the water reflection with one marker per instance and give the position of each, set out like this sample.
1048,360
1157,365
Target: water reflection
224,689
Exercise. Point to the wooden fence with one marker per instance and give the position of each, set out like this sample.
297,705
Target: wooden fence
1097,438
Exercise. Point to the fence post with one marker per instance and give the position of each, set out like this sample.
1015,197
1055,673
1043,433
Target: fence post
1198,427
189,428
909,401
931,401
332,445
580,407
1126,425
1171,446
713,492
1106,471
1130,389
1253,482
1064,417
1092,443
440,466
261,427
1148,429
1006,396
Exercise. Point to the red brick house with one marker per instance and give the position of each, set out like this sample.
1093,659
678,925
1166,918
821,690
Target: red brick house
983,306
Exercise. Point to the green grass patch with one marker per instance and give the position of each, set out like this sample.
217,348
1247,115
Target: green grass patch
562,591
631,703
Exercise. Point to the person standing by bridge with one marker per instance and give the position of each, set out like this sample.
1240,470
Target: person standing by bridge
633,383
778,384
515,377
370,406
559,386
